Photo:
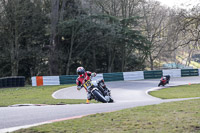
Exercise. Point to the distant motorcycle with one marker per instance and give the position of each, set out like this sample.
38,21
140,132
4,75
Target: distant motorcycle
164,80
99,93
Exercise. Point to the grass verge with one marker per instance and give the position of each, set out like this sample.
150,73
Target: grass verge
185,91
172,117
34,95
182,116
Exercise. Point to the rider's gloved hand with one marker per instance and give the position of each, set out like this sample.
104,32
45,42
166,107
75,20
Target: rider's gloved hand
93,74
79,88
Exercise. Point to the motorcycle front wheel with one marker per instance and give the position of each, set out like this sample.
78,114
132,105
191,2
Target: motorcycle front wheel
111,100
159,84
99,96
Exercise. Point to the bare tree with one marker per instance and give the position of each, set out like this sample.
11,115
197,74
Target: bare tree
190,31
156,24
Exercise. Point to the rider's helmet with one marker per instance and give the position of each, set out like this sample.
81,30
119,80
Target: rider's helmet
80,70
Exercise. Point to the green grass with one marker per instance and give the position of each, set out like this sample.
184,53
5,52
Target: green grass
34,95
175,117
185,91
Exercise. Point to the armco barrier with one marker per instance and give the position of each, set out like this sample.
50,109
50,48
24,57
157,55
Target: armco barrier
199,71
33,79
113,76
189,72
68,79
51,80
137,75
133,75
39,80
152,74
172,72
45,80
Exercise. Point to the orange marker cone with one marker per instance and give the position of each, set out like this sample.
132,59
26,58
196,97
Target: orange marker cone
87,101
189,83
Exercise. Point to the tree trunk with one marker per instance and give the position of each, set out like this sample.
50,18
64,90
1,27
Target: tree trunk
15,51
151,62
53,57
123,58
53,63
94,57
70,51
62,10
111,58
189,57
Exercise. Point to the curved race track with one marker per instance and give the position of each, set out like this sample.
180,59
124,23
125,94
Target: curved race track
126,94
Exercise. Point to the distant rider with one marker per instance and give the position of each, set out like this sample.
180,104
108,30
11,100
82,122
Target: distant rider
167,78
83,77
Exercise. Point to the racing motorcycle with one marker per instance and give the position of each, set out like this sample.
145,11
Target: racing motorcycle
98,91
164,80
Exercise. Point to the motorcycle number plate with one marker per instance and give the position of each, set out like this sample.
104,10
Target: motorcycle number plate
87,84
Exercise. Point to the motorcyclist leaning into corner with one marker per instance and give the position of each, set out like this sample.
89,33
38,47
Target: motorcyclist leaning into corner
83,77
167,78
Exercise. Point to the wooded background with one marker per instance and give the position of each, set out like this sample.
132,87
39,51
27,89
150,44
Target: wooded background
54,37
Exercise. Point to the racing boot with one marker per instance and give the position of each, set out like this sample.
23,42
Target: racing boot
87,101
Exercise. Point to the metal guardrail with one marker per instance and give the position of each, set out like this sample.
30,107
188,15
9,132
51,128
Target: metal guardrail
153,74
189,72
68,79
121,76
113,76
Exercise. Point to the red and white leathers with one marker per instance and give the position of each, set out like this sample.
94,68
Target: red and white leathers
83,78
163,79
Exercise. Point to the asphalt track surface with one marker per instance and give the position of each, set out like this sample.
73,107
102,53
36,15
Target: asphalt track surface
127,94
